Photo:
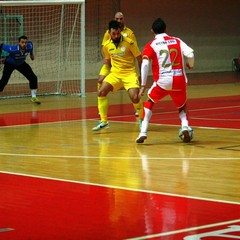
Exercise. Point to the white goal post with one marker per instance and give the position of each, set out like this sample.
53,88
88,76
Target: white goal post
57,30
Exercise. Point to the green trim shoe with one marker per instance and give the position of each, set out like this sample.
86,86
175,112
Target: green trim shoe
35,100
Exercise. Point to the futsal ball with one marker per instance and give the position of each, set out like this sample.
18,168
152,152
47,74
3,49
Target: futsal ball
190,131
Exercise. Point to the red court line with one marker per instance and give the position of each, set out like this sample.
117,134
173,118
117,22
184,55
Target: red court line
205,112
37,208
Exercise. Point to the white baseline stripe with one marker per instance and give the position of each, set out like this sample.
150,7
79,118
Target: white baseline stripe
6,229
215,119
121,188
186,230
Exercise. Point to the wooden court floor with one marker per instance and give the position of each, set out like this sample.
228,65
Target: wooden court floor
54,141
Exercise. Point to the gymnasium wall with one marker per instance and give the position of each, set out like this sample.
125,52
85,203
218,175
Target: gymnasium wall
211,27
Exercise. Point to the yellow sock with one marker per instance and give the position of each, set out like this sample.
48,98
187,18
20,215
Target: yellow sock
103,108
139,109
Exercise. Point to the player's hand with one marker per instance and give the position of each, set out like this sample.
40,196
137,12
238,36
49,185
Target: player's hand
188,66
105,61
32,57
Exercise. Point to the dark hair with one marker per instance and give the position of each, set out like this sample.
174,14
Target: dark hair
159,26
113,24
22,37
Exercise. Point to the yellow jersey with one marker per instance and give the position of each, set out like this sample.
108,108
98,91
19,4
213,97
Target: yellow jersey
126,32
122,55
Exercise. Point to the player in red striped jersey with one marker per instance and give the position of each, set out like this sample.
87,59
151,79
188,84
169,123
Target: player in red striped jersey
167,55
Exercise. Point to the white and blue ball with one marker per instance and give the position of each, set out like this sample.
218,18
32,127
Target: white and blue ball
190,131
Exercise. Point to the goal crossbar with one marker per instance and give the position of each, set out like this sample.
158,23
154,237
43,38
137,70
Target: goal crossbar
40,2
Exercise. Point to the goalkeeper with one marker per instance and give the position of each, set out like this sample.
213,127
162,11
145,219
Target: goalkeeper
15,60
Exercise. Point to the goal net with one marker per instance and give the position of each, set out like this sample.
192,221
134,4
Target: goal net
57,30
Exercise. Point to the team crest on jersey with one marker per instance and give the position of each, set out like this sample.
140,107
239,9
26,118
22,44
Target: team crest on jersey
123,48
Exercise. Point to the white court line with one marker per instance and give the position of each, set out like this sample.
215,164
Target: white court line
214,108
215,119
167,125
112,157
121,188
5,229
197,110
186,230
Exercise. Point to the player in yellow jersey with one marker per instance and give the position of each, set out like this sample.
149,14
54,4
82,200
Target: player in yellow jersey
120,53
126,32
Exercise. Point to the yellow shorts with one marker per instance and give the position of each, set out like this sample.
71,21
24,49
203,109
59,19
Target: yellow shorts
105,70
125,81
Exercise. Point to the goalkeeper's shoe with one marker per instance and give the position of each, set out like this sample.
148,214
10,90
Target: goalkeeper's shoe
101,125
35,100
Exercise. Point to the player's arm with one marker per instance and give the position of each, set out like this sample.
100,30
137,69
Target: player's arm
4,51
105,38
136,52
133,37
6,48
190,60
30,47
188,54
139,61
107,59
144,74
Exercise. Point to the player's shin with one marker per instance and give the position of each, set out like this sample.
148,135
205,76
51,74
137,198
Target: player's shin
103,108
34,92
184,118
139,109
145,122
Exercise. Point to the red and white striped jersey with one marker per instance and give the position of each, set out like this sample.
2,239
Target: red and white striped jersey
167,56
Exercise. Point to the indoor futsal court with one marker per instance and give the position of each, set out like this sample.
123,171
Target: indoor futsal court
60,180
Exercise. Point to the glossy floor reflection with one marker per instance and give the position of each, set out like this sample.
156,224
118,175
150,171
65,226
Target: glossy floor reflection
60,180
56,209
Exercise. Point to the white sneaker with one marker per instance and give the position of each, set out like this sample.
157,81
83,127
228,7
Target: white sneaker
101,125
141,137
